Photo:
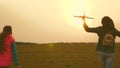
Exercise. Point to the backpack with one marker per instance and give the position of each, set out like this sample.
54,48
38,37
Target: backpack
108,40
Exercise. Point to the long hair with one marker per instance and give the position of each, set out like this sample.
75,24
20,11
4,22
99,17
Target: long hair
107,23
6,30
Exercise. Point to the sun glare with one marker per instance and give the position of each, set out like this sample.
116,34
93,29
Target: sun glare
51,45
75,7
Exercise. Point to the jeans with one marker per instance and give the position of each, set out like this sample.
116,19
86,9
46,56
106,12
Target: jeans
107,59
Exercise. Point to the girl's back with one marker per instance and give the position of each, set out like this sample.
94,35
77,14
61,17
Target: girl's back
6,55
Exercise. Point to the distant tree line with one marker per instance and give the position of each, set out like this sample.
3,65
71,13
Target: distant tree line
25,43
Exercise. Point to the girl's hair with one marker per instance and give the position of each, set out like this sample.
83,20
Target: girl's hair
6,30
107,23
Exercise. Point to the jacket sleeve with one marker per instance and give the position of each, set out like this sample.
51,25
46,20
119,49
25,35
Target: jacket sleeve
88,29
14,53
117,33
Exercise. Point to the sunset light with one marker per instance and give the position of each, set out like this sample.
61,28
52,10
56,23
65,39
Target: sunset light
53,20
70,8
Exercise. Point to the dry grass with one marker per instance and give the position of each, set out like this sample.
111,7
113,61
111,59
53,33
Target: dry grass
62,55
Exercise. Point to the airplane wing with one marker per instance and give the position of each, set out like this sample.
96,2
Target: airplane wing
79,16
83,17
89,17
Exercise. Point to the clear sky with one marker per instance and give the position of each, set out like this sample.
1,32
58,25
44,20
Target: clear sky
43,21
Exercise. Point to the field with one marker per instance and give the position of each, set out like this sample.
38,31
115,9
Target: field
61,55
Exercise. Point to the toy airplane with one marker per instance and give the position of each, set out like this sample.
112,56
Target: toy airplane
84,17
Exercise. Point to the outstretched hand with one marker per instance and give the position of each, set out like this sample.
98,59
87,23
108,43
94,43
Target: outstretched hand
83,18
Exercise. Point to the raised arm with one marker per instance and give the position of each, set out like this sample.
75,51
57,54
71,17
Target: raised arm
117,33
87,28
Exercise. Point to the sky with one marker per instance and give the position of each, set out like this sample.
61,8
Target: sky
51,21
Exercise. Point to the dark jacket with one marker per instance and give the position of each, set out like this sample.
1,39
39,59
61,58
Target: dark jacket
100,32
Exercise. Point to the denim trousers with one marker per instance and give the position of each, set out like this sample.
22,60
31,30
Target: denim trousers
107,59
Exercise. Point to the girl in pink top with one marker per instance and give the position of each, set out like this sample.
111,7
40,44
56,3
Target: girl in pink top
7,48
